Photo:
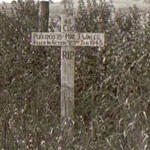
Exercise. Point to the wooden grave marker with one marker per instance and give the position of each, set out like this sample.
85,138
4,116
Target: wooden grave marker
67,39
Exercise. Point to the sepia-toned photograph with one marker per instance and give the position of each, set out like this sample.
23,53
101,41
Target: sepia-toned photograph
74,74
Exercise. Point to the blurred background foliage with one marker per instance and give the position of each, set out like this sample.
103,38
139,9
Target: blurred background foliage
111,86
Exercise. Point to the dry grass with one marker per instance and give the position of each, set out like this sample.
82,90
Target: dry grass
112,84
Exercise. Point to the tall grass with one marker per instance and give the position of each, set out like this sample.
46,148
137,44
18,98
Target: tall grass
112,83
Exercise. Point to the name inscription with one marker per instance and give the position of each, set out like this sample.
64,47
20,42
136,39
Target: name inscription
67,39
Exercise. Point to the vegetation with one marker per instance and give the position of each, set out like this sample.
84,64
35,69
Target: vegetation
112,82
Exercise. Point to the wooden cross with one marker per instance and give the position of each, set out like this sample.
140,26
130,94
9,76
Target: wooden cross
67,39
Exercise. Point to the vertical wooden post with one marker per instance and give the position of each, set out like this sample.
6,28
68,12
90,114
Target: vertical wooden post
43,16
67,79
67,69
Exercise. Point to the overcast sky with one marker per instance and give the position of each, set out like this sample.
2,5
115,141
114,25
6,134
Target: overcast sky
9,1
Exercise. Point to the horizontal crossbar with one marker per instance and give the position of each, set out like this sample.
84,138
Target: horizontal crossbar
67,39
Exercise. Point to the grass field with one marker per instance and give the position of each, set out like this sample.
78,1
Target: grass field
56,7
